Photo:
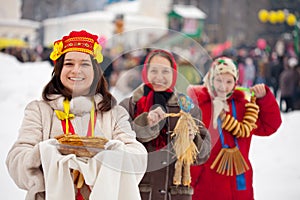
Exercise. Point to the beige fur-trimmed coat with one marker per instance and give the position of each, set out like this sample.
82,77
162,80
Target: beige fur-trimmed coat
41,123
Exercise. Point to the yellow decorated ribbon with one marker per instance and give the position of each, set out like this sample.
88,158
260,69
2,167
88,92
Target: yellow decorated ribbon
66,115
97,53
57,50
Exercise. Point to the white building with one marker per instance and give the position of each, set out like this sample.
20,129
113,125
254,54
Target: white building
144,21
13,29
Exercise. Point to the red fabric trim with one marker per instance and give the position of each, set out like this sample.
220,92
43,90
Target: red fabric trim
79,195
145,103
71,128
161,141
89,132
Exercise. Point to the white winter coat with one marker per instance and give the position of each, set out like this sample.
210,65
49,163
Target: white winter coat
41,123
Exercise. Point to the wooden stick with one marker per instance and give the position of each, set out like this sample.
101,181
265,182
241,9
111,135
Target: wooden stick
235,163
217,159
80,181
223,162
172,115
230,166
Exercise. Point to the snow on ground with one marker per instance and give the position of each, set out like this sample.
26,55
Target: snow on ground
275,159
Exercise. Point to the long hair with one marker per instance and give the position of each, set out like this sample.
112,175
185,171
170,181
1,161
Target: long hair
99,85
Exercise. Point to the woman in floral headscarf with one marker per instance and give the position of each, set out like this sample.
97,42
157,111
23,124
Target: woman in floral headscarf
231,120
148,107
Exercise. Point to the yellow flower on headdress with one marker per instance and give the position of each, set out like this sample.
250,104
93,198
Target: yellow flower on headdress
97,52
57,50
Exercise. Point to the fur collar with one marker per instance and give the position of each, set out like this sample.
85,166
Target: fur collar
78,105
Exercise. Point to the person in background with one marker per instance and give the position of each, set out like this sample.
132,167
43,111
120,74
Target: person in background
76,101
249,72
231,120
276,67
148,107
107,66
288,82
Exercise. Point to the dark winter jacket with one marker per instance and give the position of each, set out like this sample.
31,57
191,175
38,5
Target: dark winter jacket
157,183
288,81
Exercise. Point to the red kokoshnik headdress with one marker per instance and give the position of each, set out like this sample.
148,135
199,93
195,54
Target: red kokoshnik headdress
80,41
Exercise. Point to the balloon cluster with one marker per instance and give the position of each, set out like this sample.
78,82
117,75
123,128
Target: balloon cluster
278,16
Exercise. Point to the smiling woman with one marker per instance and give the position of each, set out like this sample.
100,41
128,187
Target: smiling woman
148,106
77,105
77,74
160,73
232,120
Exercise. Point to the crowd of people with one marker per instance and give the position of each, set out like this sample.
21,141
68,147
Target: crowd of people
277,68
161,144
22,54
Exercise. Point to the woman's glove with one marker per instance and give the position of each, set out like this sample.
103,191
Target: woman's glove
114,145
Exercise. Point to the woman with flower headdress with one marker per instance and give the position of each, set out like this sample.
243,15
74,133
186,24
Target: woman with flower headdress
155,99
231,119
77,104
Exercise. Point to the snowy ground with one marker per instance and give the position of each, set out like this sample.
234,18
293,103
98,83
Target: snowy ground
275,159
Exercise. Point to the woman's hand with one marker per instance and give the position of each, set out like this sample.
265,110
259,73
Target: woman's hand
155,116
114,145
259,90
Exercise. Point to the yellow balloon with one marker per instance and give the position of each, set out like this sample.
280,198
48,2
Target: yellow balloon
263,15
280,16
291,20
273,17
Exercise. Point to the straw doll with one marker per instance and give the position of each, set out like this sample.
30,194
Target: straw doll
185,148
